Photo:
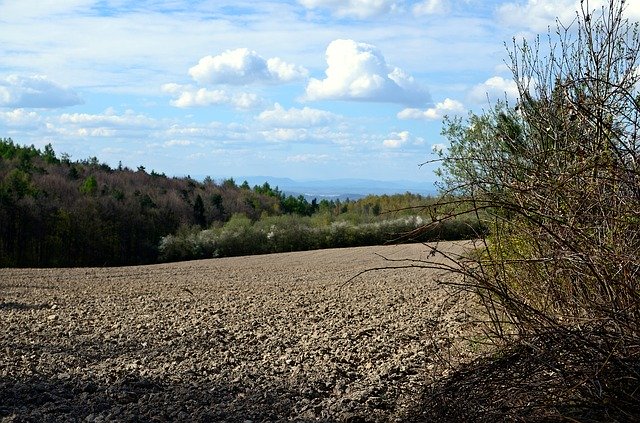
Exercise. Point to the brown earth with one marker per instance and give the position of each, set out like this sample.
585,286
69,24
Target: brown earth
284,337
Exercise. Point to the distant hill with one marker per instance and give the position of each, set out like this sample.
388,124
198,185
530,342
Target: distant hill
332,189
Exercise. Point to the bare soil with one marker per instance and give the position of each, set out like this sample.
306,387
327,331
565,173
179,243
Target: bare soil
283,337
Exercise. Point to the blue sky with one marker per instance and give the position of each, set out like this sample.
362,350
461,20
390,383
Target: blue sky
306,89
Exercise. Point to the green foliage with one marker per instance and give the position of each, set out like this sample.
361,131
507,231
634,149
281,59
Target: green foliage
89,186
18,183
229,183
298,205
8,149
49,155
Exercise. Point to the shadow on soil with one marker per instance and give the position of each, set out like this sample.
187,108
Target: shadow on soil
568,377
11,305
558,377
135,400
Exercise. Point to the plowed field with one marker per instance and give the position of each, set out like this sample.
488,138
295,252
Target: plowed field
284,337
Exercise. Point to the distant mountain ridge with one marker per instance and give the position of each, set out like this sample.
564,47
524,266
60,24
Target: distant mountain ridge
340,188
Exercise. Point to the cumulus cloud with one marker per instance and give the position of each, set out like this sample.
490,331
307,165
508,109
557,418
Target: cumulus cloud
243,66
494,88
35,92
20,118
358,71
354,8
399,139
293,118
188,96
447,107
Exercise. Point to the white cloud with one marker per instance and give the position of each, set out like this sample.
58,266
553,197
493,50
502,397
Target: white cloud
356,8
201,97
494,88
397,139
430,7
204,132
447,107
188,96
246,101
285,72
109,119
286,134
20,118
308,158
40,8
108,124
243,66
539,15
72,131
35,92
181,143
294,118
633,11
358,71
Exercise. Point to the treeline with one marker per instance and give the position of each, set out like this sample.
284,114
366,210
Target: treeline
56,212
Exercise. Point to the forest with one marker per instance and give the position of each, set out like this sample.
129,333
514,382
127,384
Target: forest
55,212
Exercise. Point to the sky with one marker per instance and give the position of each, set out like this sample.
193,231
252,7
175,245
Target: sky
304,89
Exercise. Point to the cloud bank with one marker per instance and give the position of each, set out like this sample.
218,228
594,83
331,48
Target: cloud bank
359,71
295,118
188,96
129,119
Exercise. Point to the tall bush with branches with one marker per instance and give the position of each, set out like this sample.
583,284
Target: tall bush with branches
556,179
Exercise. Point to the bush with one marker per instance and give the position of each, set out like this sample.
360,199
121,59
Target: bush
558,177
556,181
275,234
